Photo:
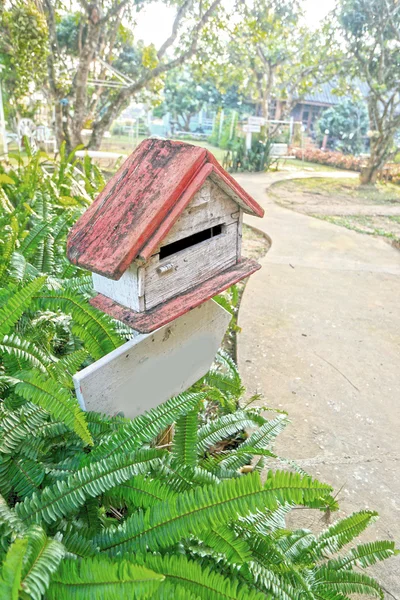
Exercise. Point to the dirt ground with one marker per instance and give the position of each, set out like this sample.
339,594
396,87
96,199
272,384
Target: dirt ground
372,210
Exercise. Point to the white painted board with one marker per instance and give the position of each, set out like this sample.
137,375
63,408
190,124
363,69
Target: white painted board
251,128
152,368
256,121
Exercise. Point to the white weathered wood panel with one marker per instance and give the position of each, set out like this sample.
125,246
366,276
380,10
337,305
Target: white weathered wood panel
189,267
152,368
210,206
128,290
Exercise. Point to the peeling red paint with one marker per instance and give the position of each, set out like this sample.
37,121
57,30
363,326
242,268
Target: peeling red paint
146,322
140,204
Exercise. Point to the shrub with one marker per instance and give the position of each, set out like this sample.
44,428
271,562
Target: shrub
390,172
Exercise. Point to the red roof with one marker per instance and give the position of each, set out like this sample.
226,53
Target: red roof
143,200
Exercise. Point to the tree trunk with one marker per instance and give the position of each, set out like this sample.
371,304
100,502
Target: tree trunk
369,175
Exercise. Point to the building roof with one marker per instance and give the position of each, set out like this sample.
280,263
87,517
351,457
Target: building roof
325,95
142,201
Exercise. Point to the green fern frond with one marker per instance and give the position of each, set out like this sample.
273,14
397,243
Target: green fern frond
41,560
185,438
9,521
344,531
8,246
192,512
101,577
139,492
33,240
202,582
364,555
56,400
27,353
63,369
99,325
260,439
65,496
20,474
17,303
11,570
77,545
347,582
223,428
146,427
16,425
224,540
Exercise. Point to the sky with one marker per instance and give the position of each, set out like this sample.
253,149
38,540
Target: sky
155,22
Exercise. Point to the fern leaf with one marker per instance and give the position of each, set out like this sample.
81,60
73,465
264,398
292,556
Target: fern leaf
202,582
185,437
33,240
260,439
364,555
17,425
194,511
41,560
222,428
139,492
9,521
98,324
23,350
100,577
344,531
54,399
223,540
348,582
9,245
65,496
21,474
17,303
146,427
11,570
63,369
78,545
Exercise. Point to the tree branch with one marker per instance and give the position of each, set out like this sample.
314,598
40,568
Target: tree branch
175,28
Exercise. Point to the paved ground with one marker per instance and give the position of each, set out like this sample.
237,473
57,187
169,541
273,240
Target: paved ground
321,339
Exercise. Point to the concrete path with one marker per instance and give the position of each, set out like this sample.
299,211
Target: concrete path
369,210
321,339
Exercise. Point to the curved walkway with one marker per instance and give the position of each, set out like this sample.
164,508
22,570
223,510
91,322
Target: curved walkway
321,339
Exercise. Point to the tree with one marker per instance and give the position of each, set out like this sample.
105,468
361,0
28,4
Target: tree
276,57
347,123
184,97
371,30
86,45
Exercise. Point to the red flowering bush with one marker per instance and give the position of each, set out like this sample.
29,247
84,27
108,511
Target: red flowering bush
390,172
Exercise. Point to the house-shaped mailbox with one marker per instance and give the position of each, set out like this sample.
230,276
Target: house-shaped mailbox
164,235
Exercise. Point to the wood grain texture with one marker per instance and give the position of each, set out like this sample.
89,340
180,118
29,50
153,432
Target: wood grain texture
190,267
148,321
128,290
146,196
152,368
210,206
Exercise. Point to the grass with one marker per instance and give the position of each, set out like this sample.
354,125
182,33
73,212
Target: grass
126,144
305,165
347,190
365,225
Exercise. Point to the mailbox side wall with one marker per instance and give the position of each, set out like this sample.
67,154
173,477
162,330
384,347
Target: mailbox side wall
128,290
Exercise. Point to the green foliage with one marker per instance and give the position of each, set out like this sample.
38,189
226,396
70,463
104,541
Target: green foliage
347,123
93,506
27,32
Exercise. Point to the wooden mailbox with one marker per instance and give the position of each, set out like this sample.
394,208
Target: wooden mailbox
163,237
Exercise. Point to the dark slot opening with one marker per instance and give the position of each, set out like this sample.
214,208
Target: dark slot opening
191,240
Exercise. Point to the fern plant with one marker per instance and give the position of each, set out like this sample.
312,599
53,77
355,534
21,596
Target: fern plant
91,506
